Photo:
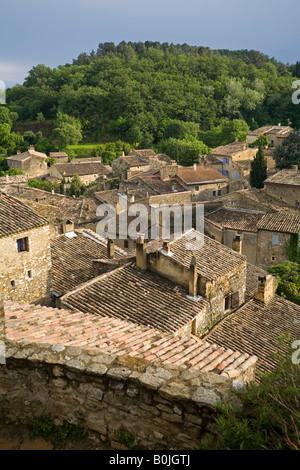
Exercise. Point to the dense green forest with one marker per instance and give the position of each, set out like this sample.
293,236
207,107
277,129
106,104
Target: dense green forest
148,93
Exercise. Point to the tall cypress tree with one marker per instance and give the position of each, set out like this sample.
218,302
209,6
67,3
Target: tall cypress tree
258,173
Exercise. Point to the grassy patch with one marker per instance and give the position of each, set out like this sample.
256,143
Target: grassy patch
58,435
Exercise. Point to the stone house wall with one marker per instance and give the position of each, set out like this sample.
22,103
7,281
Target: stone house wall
287,193
33,167
268,253
161,406
26,275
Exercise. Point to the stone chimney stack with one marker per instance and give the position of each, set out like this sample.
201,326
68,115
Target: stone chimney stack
193,278
166,247
31,147
195,166
18,152
110,249
266,289
237,244
141,254
295,167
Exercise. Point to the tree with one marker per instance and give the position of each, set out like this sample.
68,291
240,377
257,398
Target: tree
76,186
289,151
261,140
287,277
185,152
67,131
258,172
269,415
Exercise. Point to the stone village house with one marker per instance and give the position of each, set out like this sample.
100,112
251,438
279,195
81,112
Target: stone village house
25,269
32,163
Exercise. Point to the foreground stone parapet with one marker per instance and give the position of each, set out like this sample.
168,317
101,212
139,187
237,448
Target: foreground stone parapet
162,406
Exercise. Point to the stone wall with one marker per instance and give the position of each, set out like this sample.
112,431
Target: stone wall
269,254
286,193
164,407
26,275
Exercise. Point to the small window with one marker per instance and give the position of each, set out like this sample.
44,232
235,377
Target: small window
219,192
275,239
30,274
214,193
235,300
273,258
227,302
22,244
212,237
196,188
125,243
13,283
236,175
227,161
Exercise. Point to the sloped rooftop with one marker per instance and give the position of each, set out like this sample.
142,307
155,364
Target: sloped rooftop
15,216
283,221
255,327
213,258
72,256
235,219
143,297
37,324
287,177
200,174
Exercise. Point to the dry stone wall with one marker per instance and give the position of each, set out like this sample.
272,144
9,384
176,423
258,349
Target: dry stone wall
162,407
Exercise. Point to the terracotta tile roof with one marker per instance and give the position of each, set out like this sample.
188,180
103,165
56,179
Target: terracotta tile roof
213,260
212,160
15,216
164,158
235,219
67,208
81,169
134,160
112,336
110,196
288,177
258,199
281,130
201,175
283,221
138,296
160,186
255,327
25,155
12,179
143,153
72,258
229,149
58,155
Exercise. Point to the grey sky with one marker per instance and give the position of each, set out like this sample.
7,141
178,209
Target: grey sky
53,33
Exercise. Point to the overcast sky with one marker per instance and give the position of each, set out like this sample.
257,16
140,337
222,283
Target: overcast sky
56,31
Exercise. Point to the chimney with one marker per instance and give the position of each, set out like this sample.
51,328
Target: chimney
266,289
18,152
236,139
279,124
195,166
110,249
166,247
31,147
237,244
141,255
295,167
193,278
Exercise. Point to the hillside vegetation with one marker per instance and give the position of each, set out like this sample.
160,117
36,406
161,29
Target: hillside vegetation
148,93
